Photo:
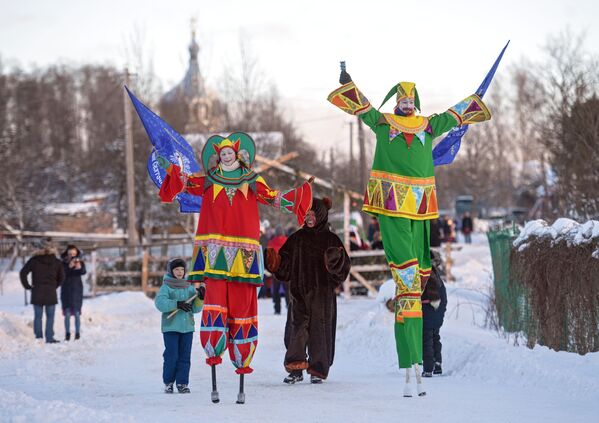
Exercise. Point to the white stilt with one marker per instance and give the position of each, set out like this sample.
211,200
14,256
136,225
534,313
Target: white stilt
407,390
419,386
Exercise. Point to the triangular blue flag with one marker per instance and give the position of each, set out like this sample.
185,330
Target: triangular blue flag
168,142
448,147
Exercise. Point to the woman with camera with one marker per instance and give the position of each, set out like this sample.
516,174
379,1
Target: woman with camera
71,293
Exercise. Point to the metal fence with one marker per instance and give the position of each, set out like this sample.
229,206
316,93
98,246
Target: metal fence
513,309
548,292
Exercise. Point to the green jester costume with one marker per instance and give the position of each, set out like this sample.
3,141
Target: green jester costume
401,194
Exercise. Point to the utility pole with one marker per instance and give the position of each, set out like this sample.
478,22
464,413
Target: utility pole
132,238
346,241
362,147
351,153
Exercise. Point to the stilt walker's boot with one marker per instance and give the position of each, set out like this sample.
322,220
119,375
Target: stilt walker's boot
419,385
407,390
241,394
214,394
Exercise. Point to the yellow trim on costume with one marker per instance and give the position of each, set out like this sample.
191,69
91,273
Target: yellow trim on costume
226,238
248,360
457,117
408,124
339,98
409,203
392,264
215,307
408,90
411,314
409,180
404,200
244,189
238,265
242,320
225,273
385,212
216,189
226,142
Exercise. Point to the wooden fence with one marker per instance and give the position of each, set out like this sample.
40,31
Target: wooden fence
143,271
113,267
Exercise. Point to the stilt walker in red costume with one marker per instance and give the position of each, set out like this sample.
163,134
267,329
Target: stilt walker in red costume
227,257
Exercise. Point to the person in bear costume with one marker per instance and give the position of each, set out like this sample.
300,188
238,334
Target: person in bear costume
314,262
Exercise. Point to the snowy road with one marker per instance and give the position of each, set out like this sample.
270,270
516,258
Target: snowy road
114,372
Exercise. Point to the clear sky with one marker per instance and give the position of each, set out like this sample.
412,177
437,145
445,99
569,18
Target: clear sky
446,47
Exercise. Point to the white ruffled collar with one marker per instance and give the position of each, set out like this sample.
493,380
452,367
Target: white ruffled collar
228,168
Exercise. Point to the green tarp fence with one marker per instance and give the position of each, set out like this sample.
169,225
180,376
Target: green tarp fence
513,310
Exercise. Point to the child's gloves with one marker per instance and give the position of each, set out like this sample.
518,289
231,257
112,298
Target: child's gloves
182,305
201,292
273,260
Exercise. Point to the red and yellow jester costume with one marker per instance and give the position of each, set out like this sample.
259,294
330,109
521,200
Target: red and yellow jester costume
227,255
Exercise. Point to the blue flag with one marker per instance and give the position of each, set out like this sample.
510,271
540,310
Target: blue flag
187,203
447,149
167,142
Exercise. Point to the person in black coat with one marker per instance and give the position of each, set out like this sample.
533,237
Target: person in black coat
467,227
47,274
315,263
71,292
434,304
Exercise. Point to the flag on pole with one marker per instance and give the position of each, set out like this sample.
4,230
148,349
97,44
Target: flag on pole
187,203
169,144
448,147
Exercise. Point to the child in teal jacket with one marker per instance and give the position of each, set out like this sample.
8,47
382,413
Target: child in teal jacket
174,296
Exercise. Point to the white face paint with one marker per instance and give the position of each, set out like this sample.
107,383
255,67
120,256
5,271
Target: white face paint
227,156
406,105
179,272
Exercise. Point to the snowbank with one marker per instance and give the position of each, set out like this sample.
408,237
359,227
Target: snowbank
114,372
563,229
18,407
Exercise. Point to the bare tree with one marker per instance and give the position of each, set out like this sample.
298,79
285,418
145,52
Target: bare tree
560,93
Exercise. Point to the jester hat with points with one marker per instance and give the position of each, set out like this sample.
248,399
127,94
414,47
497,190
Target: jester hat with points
240,142
401,90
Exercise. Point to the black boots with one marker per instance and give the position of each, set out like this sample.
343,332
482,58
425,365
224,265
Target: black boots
293,378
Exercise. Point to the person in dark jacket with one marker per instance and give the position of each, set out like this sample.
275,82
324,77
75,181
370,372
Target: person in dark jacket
377,242
434,304
276,243
435,235
71,291
315,263
467,227
47,274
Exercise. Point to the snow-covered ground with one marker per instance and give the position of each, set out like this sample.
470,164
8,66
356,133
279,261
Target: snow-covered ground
113,374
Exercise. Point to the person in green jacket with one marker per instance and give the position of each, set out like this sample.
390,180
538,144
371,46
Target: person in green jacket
178,300
401,194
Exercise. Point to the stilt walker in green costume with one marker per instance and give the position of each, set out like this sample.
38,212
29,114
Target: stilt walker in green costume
401,194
